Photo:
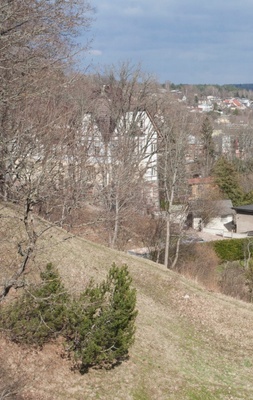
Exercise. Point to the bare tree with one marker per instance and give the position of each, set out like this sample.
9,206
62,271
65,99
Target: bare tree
124,144
208,146
36,50
174,131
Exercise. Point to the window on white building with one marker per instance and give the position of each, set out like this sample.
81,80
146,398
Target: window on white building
153,148
96,149
152,171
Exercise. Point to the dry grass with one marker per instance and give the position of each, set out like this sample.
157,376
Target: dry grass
199,262
191,344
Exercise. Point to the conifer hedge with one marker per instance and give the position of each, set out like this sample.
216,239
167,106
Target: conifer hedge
230,249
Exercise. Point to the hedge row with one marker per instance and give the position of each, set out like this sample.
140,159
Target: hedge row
232,249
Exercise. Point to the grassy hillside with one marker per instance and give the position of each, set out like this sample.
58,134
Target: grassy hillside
190,344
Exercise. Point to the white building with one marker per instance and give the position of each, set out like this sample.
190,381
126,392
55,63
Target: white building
131,144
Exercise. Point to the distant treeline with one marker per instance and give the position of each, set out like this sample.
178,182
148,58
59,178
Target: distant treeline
247,86
203,88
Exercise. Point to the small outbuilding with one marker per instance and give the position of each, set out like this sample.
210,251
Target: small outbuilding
215,217
244,218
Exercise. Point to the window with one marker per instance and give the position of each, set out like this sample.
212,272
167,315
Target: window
153,148
96,149
152,171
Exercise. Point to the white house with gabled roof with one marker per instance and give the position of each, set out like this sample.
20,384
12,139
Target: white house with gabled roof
131,140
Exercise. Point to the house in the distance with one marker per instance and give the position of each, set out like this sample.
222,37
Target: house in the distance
129,142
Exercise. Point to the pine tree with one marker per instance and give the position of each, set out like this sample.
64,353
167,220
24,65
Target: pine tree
227,180
102,322
98,326
40,313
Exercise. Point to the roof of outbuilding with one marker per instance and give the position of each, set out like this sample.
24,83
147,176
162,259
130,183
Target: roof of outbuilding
248,209
225,207
217,207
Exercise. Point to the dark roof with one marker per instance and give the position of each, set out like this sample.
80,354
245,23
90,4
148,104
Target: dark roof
244,209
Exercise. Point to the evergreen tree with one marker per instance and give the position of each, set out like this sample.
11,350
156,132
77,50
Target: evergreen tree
98,326
40,313
247,198
227,180
102,321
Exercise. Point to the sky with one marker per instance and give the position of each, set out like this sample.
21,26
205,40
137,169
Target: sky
181,41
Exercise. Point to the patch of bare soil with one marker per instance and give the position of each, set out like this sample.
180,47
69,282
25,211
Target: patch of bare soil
34,372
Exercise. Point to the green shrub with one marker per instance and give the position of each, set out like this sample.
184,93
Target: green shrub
230,249
40,313
98,326
102,321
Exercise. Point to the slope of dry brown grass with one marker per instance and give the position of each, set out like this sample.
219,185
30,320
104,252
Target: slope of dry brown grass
191,344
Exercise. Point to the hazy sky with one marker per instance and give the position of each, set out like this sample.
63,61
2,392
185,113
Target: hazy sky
182,41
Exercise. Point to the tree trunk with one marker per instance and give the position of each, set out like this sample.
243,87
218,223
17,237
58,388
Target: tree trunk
14,281
170,199
116,224
176,254
167,243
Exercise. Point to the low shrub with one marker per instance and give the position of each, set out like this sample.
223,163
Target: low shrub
102,321
98,326
40,314
199,262
232,280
